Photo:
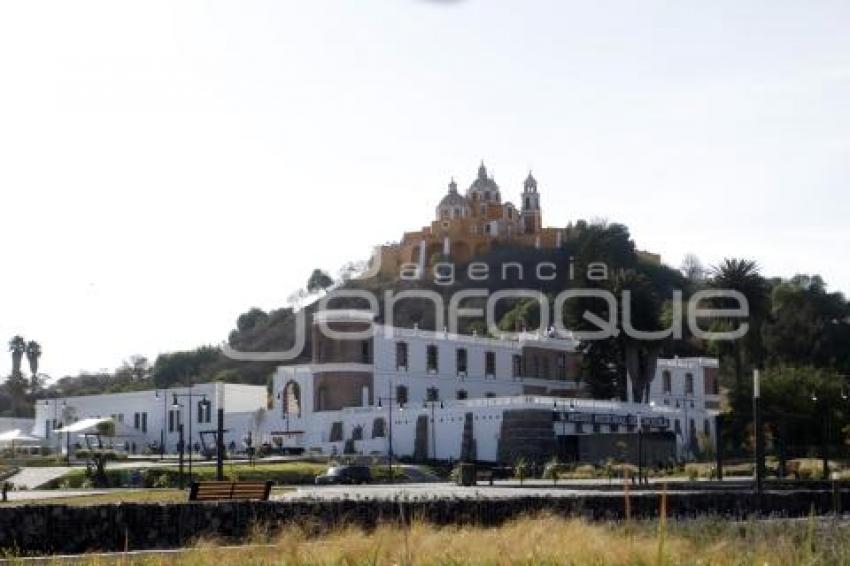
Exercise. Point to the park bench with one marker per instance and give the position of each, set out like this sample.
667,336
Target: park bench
224,490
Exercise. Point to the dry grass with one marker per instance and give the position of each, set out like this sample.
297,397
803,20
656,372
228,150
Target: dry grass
544,540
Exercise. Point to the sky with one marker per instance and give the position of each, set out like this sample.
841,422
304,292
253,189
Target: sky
164,166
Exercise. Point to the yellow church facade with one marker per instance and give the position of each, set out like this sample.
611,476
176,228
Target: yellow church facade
470,225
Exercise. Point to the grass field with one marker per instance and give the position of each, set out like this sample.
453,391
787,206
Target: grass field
281,473
543,540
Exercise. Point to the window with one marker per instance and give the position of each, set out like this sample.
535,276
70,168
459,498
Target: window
433,359
461,394
401,355
357,433
173,420
204,411
365,352
706,427
137,421
433,394
667,381
678,427
490,364
516,364
144,422
401,395
489,395
291,404
336,432
689,384
378,428
460,361
562,366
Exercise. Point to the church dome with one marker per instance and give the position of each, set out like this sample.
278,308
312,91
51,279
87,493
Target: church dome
483,189
453,199
453,205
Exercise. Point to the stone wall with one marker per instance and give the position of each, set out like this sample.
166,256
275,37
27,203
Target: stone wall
65,529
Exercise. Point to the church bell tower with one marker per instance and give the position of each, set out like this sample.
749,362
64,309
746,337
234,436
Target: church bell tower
532,217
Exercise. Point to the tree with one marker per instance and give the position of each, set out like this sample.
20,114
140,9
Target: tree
693,269
319,281
640,355
17,346
743,275
33,352
807,325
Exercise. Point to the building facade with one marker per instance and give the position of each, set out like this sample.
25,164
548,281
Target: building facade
418,394
153,417
445,396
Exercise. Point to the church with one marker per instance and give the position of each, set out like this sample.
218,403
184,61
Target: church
470,225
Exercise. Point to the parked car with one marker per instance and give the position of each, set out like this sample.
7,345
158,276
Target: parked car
345,475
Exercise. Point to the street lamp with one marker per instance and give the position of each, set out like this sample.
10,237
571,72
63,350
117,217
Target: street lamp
390,400
164,419
433,405
177,406
826,427
758,431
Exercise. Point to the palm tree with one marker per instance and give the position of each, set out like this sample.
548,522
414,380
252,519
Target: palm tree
17,345
33,352
640,355
743,275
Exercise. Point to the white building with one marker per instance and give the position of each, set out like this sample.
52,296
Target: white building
437,395
153,416
459,397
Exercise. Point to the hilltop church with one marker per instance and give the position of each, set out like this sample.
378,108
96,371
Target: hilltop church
470,225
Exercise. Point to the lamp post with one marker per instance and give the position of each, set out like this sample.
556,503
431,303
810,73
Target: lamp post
55,424
826,428
688,433
176,405
164,420
390,400
759,464
433,405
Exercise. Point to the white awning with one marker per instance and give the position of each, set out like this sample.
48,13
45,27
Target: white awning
18,436
85,425
90,426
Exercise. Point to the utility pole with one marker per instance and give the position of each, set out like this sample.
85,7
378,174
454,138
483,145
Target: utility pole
759,467
389,399
180,453
219,446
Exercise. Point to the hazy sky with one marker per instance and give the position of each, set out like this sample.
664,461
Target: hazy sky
166,165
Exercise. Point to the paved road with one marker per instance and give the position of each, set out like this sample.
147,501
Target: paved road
433,491
30,478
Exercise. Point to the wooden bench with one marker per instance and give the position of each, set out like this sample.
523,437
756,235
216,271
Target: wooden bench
484,475
220,490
